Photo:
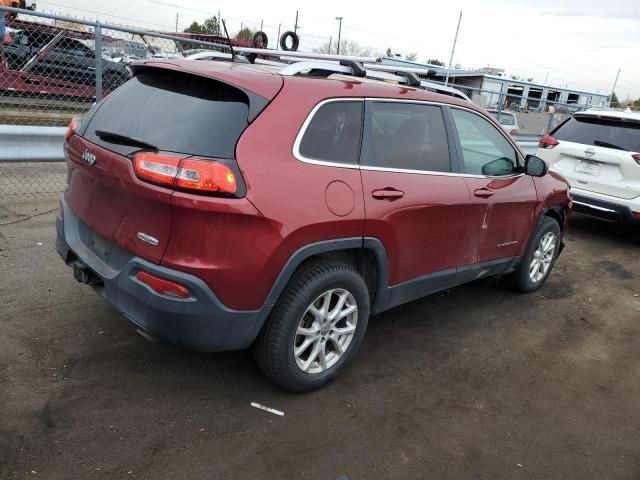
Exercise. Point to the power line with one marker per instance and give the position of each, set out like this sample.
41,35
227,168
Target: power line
47,2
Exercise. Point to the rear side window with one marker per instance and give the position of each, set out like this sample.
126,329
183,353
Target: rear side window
408,136
174,112
611,133
333,135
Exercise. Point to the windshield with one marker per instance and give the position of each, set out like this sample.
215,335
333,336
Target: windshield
602,132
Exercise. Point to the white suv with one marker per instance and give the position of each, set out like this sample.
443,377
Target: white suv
597,152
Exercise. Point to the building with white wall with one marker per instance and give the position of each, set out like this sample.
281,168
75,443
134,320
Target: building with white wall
490,90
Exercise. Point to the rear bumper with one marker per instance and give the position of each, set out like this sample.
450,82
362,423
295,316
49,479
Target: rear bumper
604,209
200,323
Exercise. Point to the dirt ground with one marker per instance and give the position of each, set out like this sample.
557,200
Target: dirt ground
474,383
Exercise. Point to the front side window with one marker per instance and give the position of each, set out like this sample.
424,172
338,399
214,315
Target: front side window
485,151
333,135
408,136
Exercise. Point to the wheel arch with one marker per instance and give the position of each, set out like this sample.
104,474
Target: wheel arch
367,255
557,213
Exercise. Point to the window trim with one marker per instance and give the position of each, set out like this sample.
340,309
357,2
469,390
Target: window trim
305,125
452,138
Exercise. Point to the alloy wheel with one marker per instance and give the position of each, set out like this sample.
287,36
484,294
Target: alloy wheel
325,331
543,257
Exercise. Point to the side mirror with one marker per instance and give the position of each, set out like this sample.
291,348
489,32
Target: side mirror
501,166
535,166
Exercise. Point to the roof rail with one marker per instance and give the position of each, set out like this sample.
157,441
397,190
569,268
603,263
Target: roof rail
325,64
428,72
328,68
398,75
307,55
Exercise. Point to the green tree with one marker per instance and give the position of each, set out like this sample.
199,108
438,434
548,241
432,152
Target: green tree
211,26
195,27
614,100
636,103
435,61
244,35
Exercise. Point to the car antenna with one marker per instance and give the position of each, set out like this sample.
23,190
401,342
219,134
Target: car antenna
233,54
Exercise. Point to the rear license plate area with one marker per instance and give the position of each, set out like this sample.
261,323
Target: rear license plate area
588,167
100,246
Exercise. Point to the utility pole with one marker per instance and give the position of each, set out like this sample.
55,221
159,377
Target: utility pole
330,39
279,25
546,79
177,20
453,49
614,88
261,24
339,35
295,27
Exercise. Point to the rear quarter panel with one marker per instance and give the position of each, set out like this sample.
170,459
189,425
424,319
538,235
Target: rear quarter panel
292,195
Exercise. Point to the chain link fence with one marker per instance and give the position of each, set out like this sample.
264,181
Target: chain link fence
54,68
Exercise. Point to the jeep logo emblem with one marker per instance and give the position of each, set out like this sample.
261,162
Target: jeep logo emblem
89,157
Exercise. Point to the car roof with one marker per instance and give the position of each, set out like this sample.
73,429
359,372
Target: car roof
632,116
265,80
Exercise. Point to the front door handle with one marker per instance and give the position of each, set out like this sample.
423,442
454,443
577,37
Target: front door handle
388,194
483,193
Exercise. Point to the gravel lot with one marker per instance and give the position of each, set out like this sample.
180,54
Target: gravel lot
473,383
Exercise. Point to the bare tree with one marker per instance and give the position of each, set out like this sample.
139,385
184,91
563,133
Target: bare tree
411,56
347,47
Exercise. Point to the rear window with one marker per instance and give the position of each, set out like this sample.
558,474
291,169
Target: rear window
333,135
600,132
174,112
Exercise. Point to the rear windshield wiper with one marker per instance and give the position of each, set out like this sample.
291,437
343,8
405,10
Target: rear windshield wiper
119,138
599,143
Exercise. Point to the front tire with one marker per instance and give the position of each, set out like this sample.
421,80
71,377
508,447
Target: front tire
539,259
316,327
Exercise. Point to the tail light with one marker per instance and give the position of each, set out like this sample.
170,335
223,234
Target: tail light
547,141
73,127
196,174
163,286
636,157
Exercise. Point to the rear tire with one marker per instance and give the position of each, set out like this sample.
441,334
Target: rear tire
325,307
539,259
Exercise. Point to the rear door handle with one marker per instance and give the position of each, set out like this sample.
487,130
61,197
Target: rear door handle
389,194
483,193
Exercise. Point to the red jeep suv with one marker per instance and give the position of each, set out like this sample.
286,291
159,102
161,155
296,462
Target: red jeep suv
222,205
